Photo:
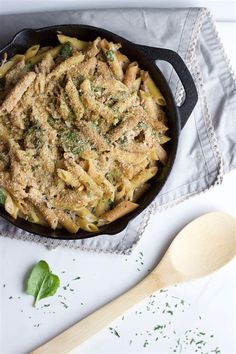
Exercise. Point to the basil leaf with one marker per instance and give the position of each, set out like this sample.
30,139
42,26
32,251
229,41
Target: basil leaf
42,283
2,197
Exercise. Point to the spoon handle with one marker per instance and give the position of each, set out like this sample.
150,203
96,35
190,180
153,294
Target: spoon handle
90,325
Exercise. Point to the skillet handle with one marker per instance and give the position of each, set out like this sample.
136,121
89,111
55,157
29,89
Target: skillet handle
182,71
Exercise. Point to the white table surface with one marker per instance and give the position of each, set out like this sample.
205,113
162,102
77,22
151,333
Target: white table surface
204,308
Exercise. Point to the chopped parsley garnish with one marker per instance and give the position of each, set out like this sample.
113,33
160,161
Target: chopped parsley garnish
110,55
66,50
114,331
65,305
71,142
2,197
145,343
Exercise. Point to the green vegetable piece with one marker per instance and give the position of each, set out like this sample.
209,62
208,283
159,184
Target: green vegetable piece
66,50
2,197
110,55
28,67
42,283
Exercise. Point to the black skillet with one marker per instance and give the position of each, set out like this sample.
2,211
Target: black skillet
146,57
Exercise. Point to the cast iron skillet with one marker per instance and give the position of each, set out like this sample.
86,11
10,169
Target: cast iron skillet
146,57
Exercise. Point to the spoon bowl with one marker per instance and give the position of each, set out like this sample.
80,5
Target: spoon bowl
202,247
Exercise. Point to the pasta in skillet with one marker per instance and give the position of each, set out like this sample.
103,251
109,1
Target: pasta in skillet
81,134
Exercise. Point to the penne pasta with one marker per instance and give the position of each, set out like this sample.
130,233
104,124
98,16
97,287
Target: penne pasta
109,49
47,213
37,58
5,67
130,75
86,225
31,52
82,131
17,92
143,176
68,178
74,99
76,43
153,89
66,221
120,210
10,206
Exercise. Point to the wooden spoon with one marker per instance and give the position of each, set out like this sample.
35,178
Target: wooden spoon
202,247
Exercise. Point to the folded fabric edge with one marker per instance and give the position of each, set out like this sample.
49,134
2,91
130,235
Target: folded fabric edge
52,244
192,63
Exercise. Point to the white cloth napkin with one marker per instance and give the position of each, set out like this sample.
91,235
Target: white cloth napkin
207,144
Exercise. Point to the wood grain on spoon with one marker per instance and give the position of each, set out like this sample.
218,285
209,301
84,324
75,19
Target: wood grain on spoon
202,247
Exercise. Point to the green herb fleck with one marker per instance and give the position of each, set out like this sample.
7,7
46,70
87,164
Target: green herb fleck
145,344
170,312
114,331
199,342
65,305
71,142
77,278
157,327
